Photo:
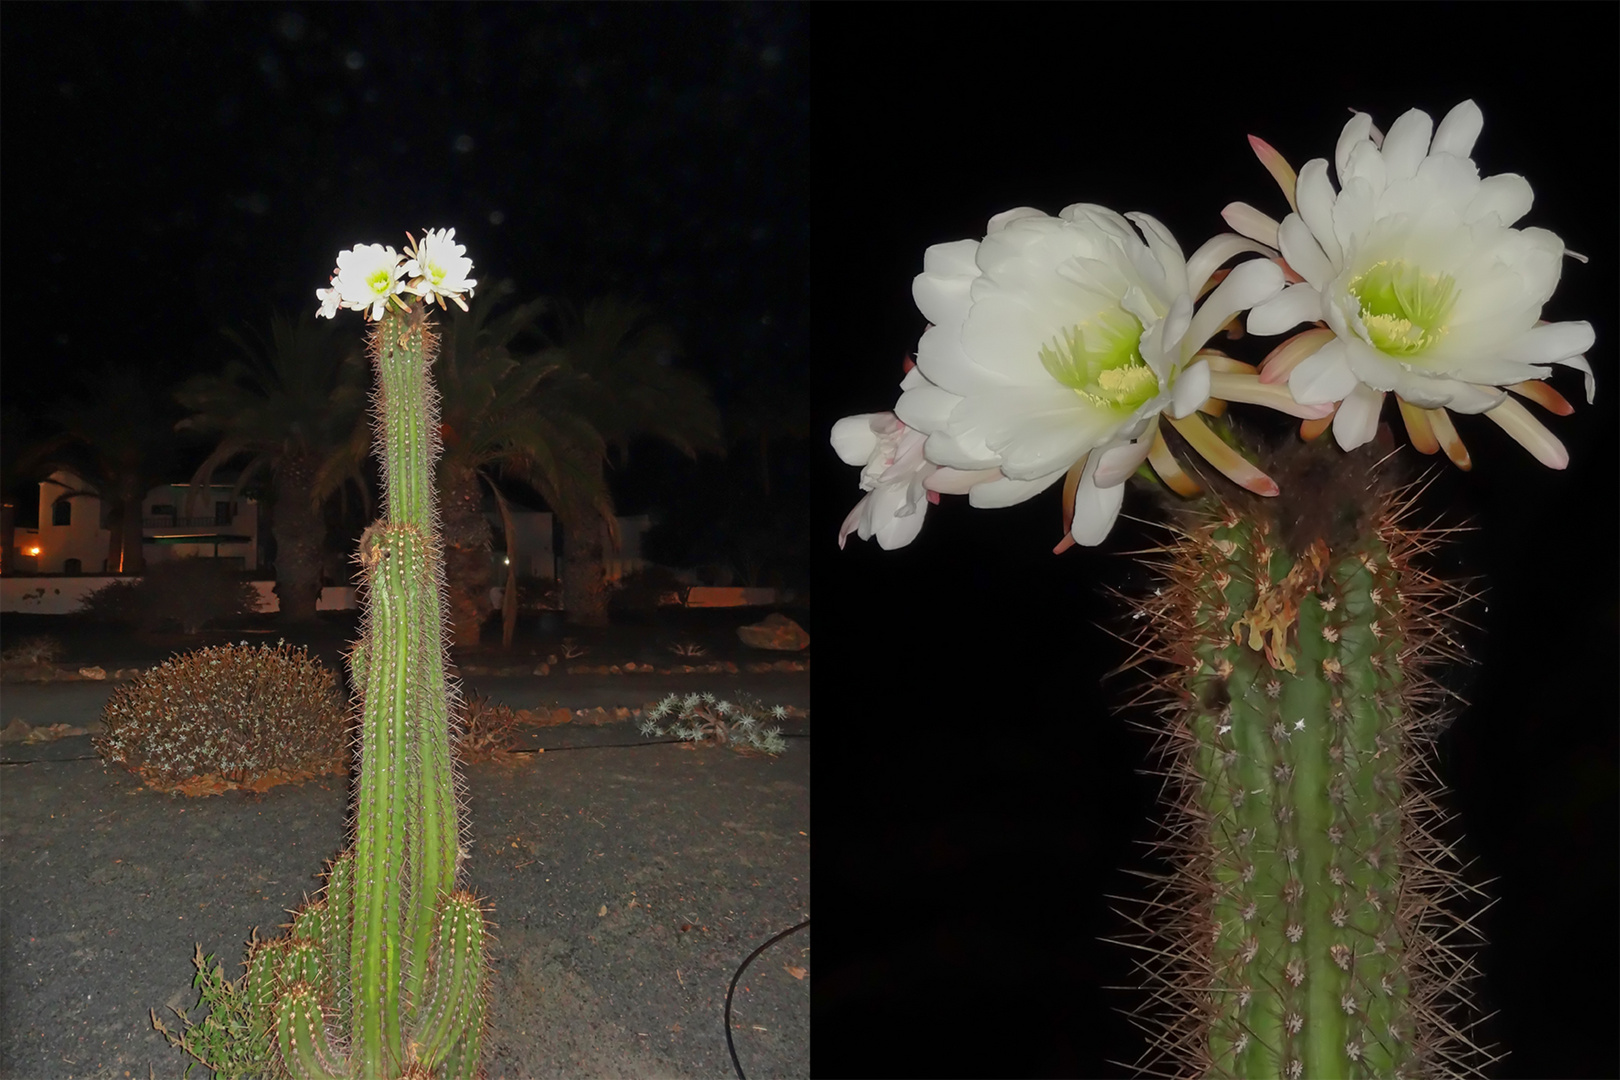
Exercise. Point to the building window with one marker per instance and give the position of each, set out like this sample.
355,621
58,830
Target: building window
222,513
62,512
72,566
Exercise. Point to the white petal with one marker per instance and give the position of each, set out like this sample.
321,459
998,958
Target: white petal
945,451
1406,144
1458,131
1355,132
1118,462
942,359
1323,376
1300,247
1551,343
1353,213
1095,508
1251,223
926,408
1250,283
1580,364
898,530
941,290
1315,196
1007,492
1218,249
1356,422
1507,195
956,481
1191,389
1165,250
854,439
1297,303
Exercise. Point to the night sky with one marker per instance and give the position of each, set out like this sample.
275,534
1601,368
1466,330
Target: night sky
993,801
175,169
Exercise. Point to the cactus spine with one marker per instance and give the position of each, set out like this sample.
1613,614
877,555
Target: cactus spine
1302,934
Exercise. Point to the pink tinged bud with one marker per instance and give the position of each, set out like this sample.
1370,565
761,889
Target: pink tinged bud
1418,427
1071,484
1279,169
1231,464
1311,430
1247,221
1253,390
1282,360
1543,395
1516,420
1164,463
1445,433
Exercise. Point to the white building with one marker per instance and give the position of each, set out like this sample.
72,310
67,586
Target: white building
74,537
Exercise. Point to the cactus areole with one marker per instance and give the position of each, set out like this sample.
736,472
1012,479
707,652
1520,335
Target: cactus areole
383,975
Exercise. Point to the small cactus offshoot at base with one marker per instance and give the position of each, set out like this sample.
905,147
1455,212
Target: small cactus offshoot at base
384,974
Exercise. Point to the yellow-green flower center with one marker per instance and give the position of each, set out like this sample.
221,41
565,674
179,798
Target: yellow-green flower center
1101,360
381,281
1404,309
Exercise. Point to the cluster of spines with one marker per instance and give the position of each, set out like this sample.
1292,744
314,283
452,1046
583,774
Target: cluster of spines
1235,976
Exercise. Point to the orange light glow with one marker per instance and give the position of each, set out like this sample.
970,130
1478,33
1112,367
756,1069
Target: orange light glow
33,551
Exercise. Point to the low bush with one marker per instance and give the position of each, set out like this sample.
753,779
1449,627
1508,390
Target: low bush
235,711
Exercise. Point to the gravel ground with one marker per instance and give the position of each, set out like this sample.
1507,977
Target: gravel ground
629,880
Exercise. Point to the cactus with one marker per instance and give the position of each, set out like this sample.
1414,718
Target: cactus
1302,932
1305,930
384,974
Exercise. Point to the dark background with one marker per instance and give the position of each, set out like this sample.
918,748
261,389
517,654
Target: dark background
984,799
175,169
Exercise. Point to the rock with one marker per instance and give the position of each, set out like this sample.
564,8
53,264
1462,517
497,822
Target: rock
775,632
16,731
542,668
93,672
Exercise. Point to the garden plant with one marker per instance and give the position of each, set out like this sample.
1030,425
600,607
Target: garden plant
383,975
1309,929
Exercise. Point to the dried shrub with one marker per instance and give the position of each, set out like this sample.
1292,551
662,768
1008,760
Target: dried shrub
237,712
34,650
486,730
186,594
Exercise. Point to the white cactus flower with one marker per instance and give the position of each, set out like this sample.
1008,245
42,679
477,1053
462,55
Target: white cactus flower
438,267
1055,345
1427,289
367,277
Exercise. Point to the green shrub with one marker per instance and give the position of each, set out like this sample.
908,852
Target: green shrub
186,594
704,718
235,711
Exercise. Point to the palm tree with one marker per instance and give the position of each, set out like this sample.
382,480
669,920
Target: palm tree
620,375
503,418
115,438
292,404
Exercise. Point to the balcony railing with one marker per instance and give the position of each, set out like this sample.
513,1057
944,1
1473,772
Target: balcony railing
179,521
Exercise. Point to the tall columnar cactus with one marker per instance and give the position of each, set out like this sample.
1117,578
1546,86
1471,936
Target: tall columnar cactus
383,975
1305,932
1302,933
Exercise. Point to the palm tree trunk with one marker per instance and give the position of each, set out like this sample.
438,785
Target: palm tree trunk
466,555
584,573
300,532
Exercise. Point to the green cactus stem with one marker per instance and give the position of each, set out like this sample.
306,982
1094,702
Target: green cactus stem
1303,933
384,974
